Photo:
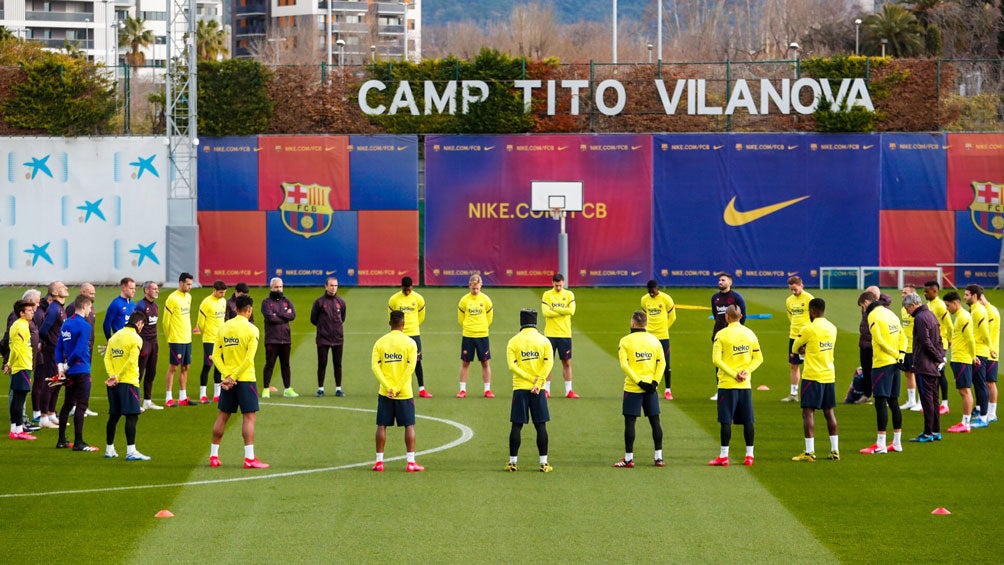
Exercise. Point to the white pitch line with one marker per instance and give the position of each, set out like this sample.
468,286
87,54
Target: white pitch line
466,434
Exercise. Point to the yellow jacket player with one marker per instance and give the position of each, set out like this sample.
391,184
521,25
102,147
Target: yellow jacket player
393,363
660,311
642,360
212,313
18,365
558,307
122,366
736,353
177,323
529,358
475,314
816,341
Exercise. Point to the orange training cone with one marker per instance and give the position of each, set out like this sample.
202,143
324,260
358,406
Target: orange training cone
763,387
940,510
168,514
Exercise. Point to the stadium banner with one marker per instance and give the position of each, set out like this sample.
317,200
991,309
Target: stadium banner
914,171
977,253
307,261
383,173
228,173
479,220
976,178
763,207
232,247
917,238
388,247
83,209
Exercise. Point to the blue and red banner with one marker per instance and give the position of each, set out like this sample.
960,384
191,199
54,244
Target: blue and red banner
479,219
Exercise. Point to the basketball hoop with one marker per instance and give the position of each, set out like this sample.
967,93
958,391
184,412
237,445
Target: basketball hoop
556,213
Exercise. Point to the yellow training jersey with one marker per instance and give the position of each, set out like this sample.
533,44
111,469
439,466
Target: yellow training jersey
558,309
944,320
819,338
736,348
906,322
888,339
530,359
661,313
798,312
212,311
236,344
393,362
981,329
122,356
177,317
641,358
475,314
994,319
963,339
413,306
20,358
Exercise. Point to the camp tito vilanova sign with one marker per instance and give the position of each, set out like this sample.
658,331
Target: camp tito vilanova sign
690,96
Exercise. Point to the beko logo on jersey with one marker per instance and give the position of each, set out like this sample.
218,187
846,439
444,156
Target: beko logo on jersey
529,355
642,356
475,311
825,345
228,341
66,335
740,349
393,357
116,352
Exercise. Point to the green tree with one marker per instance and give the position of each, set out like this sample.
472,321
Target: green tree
135,36
210,40
899,27
233,97
5,34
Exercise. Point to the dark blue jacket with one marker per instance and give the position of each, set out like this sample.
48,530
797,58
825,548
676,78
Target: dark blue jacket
117,315
73,347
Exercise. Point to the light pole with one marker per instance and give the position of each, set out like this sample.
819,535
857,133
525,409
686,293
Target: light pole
404,19
798,64
884,42
87,25
857,36
372,53
649,52
341,52
327,35
614,39
659,29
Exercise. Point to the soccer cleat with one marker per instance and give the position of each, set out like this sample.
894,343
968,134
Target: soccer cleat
89,412
659,463
266,393
489,394
807,456
111,454
462,394
918,407
378,466
892,447
978,423
873,449
152,406
923,438
169,404
63,444
624,463
719,462
864,400
47,423
937,436
668,395
339,393
571,394
748,461
908,405
992,420
187,402
790,398
216,399
137,456
715,397
834,456
31,428
84,447
511,467
424,394
959,428
546,468
22,435
290,393
414,467
56,381
254,464
203,400
214,461
320,393
943,410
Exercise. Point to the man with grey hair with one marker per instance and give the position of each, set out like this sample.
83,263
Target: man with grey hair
278,312
928,361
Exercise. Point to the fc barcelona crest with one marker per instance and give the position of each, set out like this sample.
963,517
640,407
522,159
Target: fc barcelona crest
306,208
987,208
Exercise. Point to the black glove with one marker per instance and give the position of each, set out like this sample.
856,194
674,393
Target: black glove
647,386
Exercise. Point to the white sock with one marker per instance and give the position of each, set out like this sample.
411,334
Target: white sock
568,387
214,450
543,459
810,445
410,456
724,452
944,403
658,454
249,451
182,395
991,410
421,388
794,390
130,449
547,386
13,428
966,418
881,439
110,448
628,456
463,387
169,397
54,418
911,395
749,451
488,386
897,438
36,414
512,459
202,391
834,443
147,403
379,457
320,389
337,388
216,389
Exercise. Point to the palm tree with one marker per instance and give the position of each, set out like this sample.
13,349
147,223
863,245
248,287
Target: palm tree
210,40
134,35
899,27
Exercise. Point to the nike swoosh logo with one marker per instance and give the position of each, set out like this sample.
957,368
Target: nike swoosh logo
635,147
259,273
736,218
489,147
635,273
867,146
717,147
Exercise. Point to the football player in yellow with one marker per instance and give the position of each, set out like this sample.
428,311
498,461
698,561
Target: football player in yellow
736,353
474,314
393,362
413,305
888,351
642,360
177,323
212,313
660,311
233,355
963,358
981,331
18,365
994,322
122,366
816,341
530,358
558,306
937,305
797,306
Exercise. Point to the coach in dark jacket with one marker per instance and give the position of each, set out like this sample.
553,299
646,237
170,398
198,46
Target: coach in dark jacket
328,314
278,312
928,356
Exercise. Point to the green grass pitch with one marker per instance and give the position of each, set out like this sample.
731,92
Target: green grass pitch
319,502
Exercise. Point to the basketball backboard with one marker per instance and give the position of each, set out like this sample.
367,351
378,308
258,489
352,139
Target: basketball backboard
556,195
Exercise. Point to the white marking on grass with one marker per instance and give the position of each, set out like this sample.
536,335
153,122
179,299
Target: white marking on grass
466,434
